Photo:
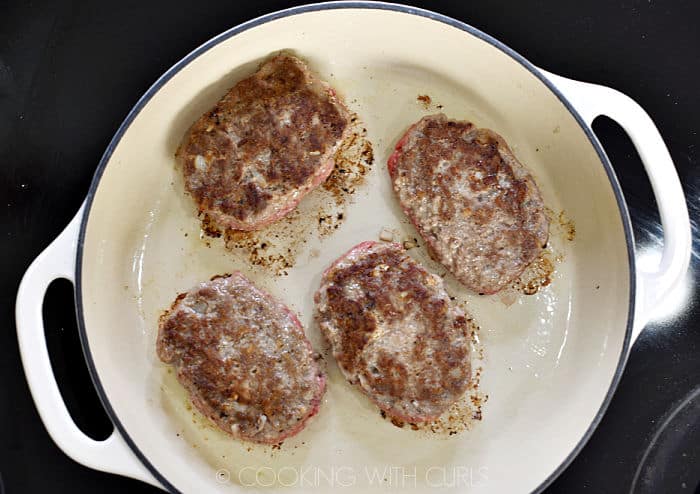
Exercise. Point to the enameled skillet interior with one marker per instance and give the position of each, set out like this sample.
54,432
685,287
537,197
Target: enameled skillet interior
549,358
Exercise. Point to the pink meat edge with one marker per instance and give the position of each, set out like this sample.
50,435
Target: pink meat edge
362,246
315,404
406,418
366,245
228,223
318,179
391,166
321,378
421,418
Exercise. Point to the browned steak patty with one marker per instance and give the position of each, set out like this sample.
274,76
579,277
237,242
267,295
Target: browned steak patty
476,206
244,359
268,142
394,332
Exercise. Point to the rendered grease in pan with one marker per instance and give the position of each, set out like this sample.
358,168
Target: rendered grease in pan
275,248
463,415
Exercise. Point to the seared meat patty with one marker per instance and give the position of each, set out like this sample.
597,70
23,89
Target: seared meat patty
244,359
394,331
268,142
478,209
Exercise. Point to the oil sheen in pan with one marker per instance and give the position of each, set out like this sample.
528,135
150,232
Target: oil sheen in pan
523,341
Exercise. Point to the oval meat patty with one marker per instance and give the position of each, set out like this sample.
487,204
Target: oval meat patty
394,332
478,209
244,359
268,142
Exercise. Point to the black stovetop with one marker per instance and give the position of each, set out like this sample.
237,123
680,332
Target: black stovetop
70,70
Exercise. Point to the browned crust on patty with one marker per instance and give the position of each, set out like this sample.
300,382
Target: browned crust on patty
394,332
244,359
268,142
476,206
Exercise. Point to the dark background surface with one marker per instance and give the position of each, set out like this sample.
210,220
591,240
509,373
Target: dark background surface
71,70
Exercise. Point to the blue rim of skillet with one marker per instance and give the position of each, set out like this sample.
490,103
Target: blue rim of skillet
143,101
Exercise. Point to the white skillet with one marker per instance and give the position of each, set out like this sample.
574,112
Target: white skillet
552,360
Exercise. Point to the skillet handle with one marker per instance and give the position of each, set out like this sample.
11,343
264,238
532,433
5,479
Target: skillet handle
112,455
654,284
